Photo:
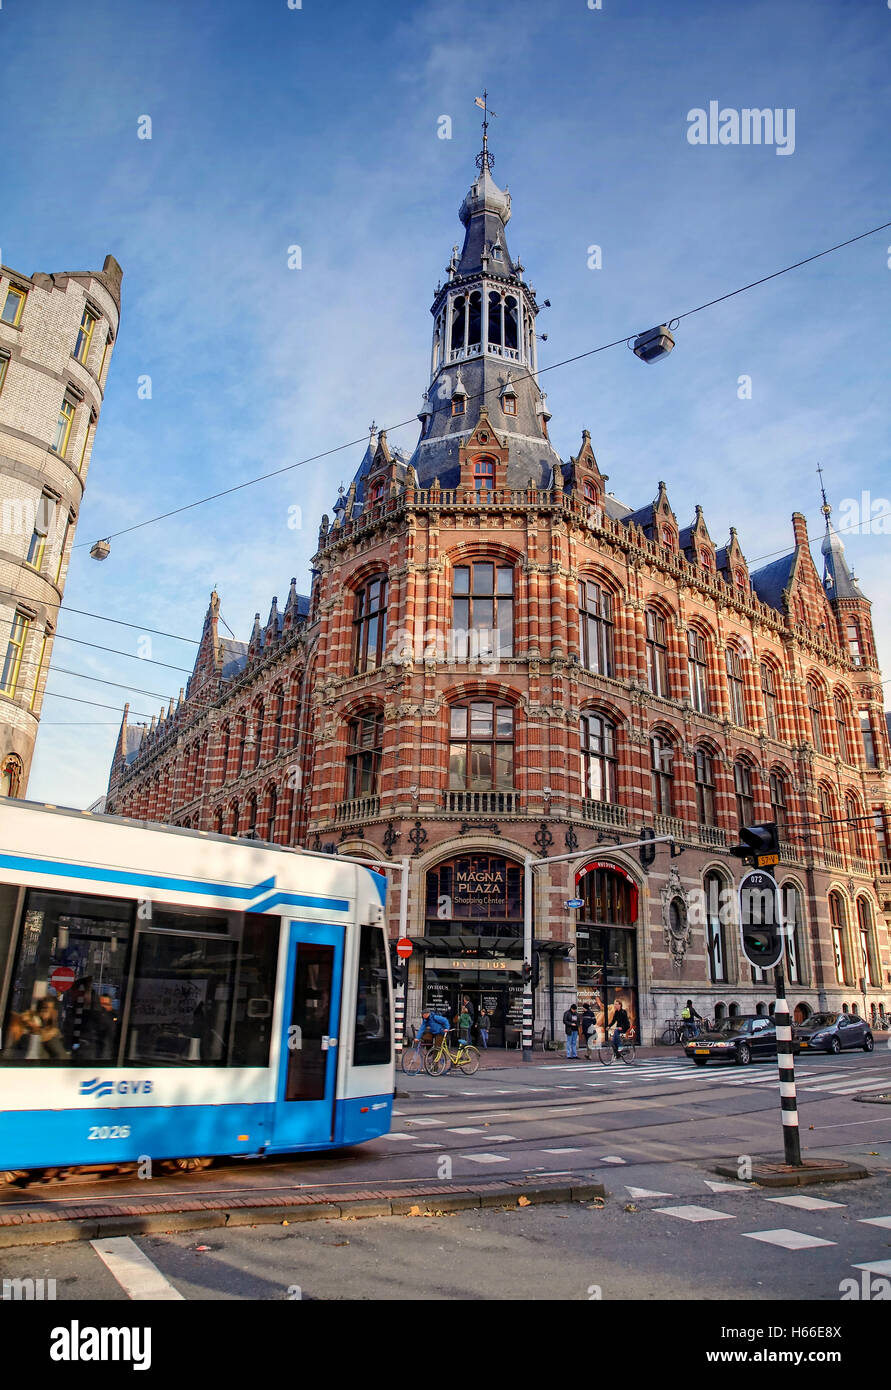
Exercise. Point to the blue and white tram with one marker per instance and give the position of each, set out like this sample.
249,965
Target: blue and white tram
177,995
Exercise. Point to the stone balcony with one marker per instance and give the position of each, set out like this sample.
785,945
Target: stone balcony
358,808
482,803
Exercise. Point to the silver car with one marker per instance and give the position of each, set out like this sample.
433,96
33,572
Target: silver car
833,1032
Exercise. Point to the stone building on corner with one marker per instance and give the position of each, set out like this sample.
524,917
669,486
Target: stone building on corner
57,334
500,662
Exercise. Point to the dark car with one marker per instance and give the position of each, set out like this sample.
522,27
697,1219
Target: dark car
743,1039
833,1032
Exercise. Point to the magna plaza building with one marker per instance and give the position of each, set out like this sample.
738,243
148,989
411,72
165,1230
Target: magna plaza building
501,663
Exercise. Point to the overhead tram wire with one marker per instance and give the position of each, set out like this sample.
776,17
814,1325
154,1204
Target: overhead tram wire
402,424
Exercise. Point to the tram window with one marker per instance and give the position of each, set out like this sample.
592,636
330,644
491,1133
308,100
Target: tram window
83,944
255,991
372,1042
182,999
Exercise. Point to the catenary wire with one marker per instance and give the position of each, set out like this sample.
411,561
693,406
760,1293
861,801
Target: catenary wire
566,361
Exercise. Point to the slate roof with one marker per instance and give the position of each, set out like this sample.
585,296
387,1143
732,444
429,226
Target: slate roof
771,582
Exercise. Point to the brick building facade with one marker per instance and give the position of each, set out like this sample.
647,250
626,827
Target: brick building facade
56,340
500,662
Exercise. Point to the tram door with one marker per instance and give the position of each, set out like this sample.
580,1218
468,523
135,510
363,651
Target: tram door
304,1108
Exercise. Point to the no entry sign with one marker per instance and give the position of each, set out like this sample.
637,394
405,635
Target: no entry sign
404,947
62,978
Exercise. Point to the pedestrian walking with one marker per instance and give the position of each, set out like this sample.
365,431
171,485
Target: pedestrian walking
483,1022
571,1024
589,1026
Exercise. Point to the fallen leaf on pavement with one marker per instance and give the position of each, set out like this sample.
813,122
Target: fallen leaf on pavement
630,1206
523,1202
414,1211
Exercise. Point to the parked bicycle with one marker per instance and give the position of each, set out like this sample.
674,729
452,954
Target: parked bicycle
412,1060
440,1058
625,1051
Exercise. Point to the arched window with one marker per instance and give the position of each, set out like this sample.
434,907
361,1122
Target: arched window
370,625
510,324
278,716
720,1010
868,737
474,320
841,729
705,787
867,942
259,723
667,536
778,805
838,920
814,712
241,736
589,492
218,821
705,559
271,810
735,686
484,474
225,739
740,580
365,736
828,818
482,611
733,1011
11,781
855,825
794,933
769,694
495,323
481,747
855,645
252,815
596,628
233,818
657,653
714,929
698,667
457,335
662,775
745,800
598,750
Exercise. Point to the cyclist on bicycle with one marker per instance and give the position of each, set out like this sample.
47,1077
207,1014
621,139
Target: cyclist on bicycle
434,1023
620,1023
690,1021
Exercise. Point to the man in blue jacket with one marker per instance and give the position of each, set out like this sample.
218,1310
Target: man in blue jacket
435,1023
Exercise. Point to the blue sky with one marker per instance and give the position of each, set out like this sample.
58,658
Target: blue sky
318,127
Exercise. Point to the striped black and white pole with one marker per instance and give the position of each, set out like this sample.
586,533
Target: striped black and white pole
527,1019
786,1064
399,1017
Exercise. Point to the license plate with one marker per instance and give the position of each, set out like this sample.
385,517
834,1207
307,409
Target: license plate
701,1051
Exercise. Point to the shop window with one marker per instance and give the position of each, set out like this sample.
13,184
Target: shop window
596,628
705,786
482,611
370,625
838,921
599,763
364,745
372,1042
481,747
868,969
657,653
482,888
715,944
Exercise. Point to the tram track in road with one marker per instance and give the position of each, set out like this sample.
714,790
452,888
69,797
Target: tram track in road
58,1192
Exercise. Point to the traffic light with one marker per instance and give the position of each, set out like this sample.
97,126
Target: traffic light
527,973
760,919
760,844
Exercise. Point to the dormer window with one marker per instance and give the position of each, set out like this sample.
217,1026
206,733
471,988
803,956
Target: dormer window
497,254
590,492
667,536
457,405
740,578
705,559
509,405
484,474
376,492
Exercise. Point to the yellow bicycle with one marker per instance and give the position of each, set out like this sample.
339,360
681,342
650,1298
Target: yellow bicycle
440,1058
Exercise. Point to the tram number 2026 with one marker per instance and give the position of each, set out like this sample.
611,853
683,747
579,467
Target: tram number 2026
109,1132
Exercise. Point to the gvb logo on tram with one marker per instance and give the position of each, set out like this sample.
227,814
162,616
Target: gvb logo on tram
97,1087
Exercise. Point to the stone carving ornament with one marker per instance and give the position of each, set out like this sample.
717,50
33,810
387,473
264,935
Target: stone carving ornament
675,918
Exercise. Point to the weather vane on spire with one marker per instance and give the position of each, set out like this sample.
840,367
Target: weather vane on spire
484,158
825,509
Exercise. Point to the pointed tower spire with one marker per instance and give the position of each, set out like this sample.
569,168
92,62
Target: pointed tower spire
838,581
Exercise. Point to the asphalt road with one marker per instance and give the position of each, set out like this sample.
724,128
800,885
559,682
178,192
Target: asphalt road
669,1229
